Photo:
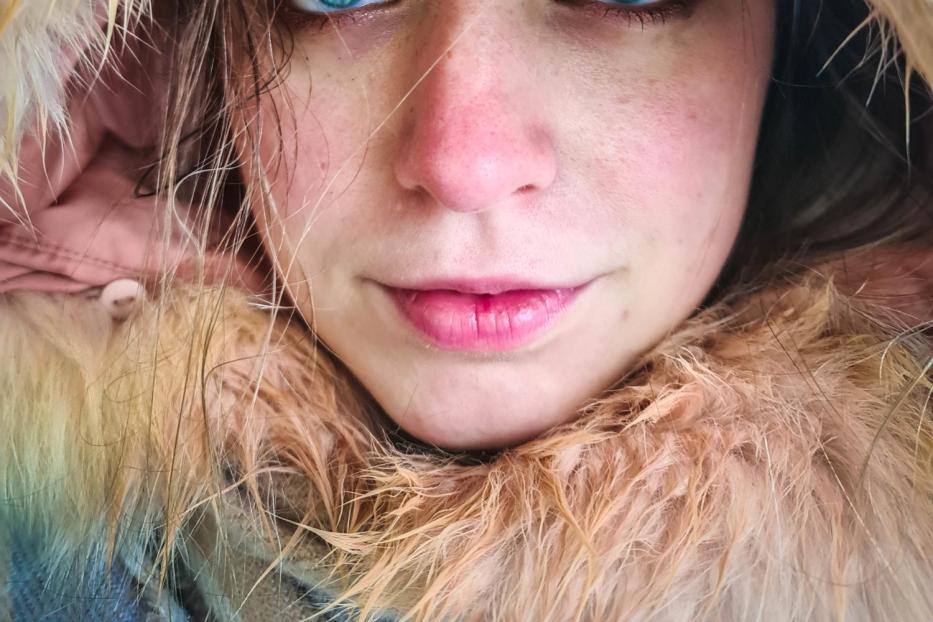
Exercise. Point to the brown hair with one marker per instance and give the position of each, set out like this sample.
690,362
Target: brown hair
842,160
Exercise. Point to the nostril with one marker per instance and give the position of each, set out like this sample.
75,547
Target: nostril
469,163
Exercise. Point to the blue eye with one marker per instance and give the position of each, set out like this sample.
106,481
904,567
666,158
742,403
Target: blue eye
333,6
644,12
336,6
646,4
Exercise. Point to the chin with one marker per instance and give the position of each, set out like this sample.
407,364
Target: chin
459,423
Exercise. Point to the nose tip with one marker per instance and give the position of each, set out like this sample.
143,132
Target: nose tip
470,159
468,169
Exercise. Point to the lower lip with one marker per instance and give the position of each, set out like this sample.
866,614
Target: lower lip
453,320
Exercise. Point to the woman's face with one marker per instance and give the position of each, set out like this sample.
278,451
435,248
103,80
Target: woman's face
489,209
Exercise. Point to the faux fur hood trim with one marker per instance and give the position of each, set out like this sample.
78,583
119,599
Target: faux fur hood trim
772,459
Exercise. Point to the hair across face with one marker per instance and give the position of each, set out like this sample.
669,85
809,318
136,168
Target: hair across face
488,211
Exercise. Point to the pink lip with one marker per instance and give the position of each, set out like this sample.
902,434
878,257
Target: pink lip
479,316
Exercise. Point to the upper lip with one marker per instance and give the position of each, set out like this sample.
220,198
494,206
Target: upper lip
491,285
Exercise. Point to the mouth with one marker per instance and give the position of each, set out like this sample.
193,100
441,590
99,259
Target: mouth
481,316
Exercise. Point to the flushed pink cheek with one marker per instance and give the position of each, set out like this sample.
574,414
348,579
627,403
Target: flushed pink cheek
673,163
320,152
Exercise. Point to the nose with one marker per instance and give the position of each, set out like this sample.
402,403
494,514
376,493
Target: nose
474,136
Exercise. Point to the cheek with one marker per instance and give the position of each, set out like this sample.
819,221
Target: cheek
313,164
674,180
675,159
671,143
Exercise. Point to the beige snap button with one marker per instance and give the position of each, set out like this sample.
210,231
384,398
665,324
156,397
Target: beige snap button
121,297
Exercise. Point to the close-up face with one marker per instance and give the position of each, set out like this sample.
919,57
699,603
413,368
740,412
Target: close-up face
489,210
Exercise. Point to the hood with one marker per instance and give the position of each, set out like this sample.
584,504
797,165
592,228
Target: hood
77,76
78,131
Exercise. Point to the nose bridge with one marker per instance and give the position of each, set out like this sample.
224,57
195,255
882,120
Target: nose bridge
473,138
467,58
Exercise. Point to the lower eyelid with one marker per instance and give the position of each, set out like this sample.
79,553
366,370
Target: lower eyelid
298,18
305,6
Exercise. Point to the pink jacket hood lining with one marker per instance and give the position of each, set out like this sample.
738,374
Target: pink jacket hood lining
76,220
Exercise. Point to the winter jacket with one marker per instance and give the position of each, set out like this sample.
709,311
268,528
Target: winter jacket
770,459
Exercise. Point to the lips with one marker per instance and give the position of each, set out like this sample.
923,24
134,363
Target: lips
452,319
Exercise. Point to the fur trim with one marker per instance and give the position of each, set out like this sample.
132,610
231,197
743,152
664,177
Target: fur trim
910,22
773,459
46,41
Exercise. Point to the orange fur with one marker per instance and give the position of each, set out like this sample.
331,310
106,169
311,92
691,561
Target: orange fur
770,460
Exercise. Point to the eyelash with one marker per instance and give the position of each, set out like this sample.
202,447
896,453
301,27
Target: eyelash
644,15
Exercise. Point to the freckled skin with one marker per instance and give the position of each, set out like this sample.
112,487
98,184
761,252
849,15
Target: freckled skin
546,143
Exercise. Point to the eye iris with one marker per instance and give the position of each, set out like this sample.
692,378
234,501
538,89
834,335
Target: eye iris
339,4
